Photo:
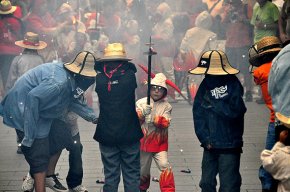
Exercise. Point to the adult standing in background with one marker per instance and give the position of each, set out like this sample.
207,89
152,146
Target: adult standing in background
265,19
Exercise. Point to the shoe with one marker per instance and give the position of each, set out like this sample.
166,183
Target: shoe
28,183
79,188
53,183
19,151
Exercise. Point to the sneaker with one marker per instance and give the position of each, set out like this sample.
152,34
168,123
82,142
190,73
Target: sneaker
28,183
79,188
19,151
53,183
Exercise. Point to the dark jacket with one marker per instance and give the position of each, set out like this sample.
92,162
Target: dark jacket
218,112
118,122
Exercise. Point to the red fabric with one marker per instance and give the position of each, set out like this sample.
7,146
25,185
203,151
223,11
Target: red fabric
144,182
156,141
8,38
261,78
38,25
166,181
161,122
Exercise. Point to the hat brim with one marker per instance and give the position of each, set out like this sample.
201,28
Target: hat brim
202,71
41,45
73,67
284,119
257,60
8,12
113,59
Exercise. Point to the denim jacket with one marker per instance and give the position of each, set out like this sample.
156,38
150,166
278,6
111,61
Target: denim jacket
218,112
39,96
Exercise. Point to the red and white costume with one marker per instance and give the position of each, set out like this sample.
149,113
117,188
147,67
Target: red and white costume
154,144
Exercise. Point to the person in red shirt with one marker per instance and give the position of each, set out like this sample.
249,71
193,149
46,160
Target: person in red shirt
10,31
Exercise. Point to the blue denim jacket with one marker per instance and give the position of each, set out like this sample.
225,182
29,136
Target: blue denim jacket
39,96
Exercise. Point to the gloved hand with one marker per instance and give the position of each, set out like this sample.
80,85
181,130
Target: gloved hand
146,110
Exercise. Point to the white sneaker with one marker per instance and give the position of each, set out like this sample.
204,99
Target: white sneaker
28,183
79,188
53,183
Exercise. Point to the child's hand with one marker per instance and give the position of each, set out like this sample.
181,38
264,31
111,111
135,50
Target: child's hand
283,136
147,110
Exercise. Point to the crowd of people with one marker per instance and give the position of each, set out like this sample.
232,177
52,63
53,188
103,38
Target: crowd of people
55,54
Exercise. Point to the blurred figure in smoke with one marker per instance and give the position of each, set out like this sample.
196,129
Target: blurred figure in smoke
195,41
238,40
40,21
10,31
162,36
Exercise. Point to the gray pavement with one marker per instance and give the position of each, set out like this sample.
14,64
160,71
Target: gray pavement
184,153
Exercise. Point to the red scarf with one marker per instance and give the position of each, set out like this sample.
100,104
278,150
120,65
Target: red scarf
110,74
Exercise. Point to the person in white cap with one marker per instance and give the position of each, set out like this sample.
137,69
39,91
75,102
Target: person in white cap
41,97
218,114
155,121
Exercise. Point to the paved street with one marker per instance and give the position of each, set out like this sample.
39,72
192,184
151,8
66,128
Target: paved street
184,153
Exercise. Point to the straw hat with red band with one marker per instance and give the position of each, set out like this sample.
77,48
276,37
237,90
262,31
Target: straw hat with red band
83,64
31,41
6,7
214,62
267,46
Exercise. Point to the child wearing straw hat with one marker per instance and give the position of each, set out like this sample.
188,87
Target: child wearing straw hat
266,49
218,114
118,131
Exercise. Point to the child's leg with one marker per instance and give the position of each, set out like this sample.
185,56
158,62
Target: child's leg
229,172
166,180
146,160
209,169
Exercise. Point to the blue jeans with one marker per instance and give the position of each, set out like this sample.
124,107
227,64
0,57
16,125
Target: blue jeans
266,178
125,159
75,172
227,165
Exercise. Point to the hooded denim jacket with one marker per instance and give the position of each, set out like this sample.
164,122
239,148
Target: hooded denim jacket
40,95
218,112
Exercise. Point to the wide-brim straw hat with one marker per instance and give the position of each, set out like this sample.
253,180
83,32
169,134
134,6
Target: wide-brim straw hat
6,7
269,45
283,119
83,64
31,41
114,52
214,62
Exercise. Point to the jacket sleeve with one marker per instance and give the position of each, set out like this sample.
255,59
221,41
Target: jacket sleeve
38,98
200,116
80,107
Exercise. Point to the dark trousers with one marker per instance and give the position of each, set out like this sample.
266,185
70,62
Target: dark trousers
75,173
